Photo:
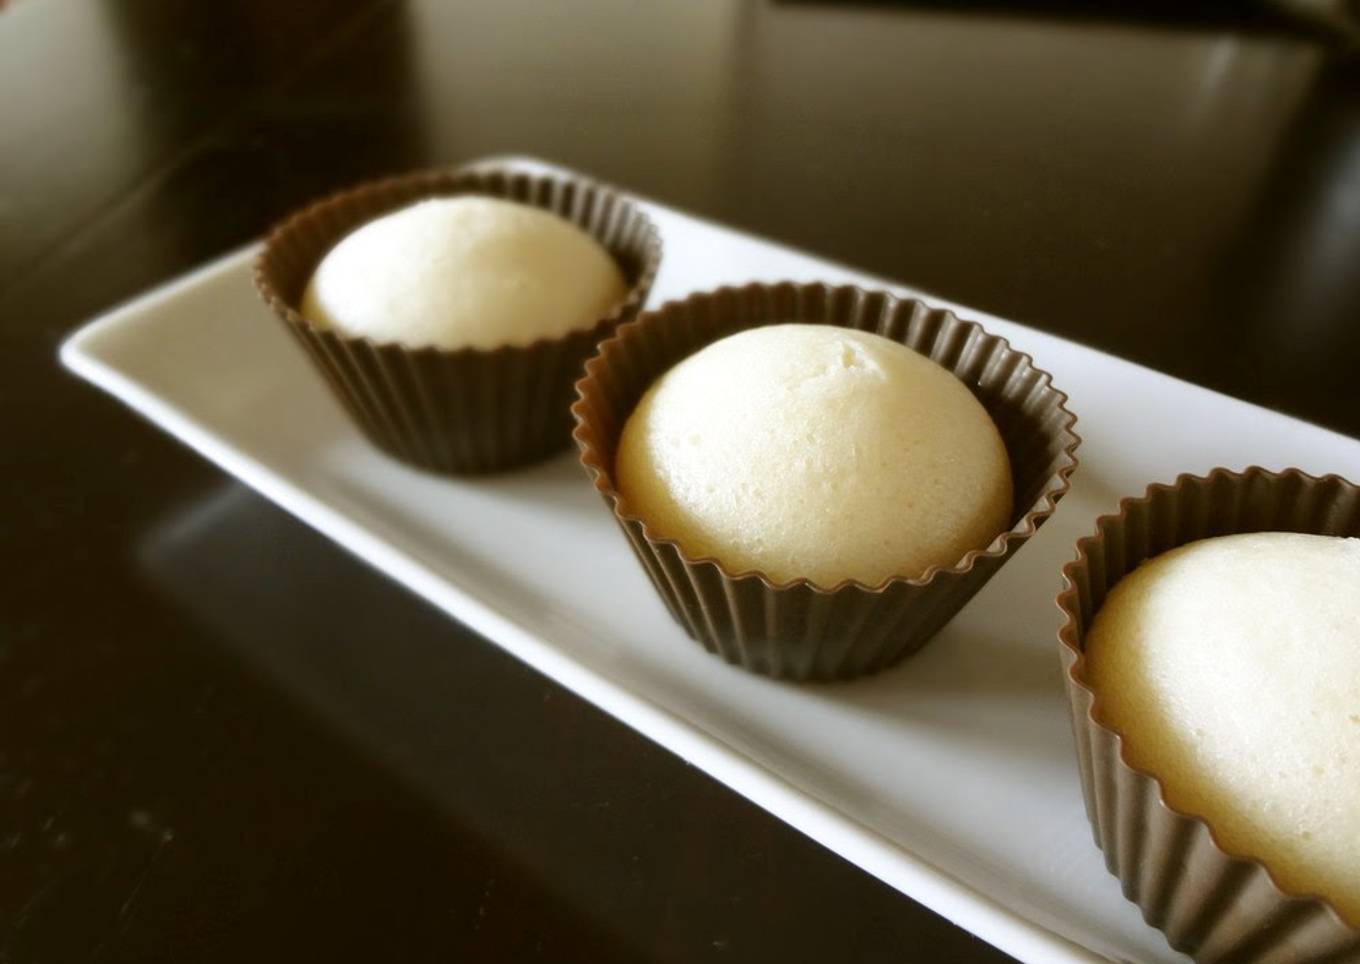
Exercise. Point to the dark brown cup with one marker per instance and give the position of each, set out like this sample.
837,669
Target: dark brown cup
1212,905
469,410
797,630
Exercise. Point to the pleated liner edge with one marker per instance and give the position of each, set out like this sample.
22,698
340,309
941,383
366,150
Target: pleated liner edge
796,630
1217,907
469,410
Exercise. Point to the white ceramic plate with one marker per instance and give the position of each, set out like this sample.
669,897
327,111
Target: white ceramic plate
951,777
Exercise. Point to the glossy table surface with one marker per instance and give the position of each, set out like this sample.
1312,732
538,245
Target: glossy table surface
1183,193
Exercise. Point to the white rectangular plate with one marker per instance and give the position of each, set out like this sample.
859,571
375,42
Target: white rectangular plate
952,777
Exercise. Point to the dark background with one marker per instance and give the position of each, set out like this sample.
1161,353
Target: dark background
222,739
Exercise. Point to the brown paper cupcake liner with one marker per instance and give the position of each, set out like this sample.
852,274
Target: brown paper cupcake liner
1212,905
797,630
468,410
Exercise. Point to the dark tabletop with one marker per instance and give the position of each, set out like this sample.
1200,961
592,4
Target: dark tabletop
223,739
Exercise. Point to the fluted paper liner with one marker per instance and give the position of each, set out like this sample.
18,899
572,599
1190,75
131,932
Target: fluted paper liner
467,410
1215,906
797,630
